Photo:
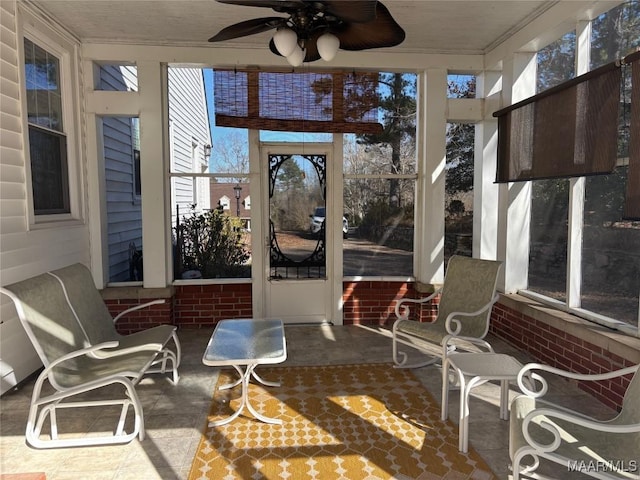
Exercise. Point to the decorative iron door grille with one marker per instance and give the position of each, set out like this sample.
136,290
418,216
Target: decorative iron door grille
297,192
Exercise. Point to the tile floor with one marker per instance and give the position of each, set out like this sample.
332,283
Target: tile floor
175,415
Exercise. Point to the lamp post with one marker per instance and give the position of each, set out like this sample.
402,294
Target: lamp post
236,190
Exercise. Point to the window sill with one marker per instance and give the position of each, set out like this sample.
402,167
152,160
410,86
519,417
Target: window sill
62,223
613,341
136,293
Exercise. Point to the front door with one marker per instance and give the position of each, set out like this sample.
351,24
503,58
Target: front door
299,261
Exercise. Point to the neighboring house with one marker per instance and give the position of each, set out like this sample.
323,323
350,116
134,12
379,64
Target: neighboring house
190,141
189,134
121,147
224,195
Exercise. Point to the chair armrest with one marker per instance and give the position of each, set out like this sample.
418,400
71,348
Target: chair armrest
109,352
102,351
576,419
476,341
454,326
138,307
78,353
405,309
527,378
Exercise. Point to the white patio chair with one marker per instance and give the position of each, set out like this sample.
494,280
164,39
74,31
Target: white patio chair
100,327
604,449
73,366
467,295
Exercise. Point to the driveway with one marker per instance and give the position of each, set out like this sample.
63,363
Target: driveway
360,257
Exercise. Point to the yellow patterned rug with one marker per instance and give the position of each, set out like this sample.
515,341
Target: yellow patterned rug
351,422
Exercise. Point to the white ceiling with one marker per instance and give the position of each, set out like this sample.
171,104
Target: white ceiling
461,27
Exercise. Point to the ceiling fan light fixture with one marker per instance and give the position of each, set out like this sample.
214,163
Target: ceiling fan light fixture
328,45
297,57
286,41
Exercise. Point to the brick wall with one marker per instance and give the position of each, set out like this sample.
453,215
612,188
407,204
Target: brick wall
139,319
558,348
373,303
201,306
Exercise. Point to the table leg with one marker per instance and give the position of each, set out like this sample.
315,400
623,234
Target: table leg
504,399
257,415
264,382
463,419
444,412
254,375
465,392
244,400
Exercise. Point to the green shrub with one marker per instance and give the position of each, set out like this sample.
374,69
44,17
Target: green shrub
212,243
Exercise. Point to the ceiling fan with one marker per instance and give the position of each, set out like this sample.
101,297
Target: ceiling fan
315,29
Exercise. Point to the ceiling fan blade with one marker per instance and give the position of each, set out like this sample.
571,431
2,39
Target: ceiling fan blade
360,12
248,27
277,5
383,31
311,48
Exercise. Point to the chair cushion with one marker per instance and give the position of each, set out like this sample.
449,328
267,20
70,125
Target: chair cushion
432,332
579,443
470,284
88,303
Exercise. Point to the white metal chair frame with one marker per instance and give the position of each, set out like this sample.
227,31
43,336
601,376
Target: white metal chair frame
74,365
80,274
448,345
546,415
46,406
450,330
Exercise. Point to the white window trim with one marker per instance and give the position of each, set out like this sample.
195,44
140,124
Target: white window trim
577,192
65,51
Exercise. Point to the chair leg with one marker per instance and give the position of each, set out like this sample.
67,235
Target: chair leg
178,352
400,358
44,407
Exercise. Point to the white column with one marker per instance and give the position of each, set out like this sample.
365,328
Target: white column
519,82
259,232
429,222
577,185
335,170
485,190
152,81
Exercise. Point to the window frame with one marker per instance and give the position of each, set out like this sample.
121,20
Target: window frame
65,52
575,253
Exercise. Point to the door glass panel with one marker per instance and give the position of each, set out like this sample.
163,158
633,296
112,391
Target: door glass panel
297,188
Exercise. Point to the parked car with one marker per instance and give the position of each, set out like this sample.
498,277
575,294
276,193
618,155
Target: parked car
317,222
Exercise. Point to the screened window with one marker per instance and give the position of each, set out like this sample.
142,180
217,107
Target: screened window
208,177
379,186
47,138
458,203
605,283
550,197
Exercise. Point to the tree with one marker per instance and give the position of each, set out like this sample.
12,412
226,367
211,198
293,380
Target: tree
398,104
556,62
230,153
616,33
288,192
460,143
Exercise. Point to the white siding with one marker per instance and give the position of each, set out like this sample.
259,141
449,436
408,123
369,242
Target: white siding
25,252
124,212
190,129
